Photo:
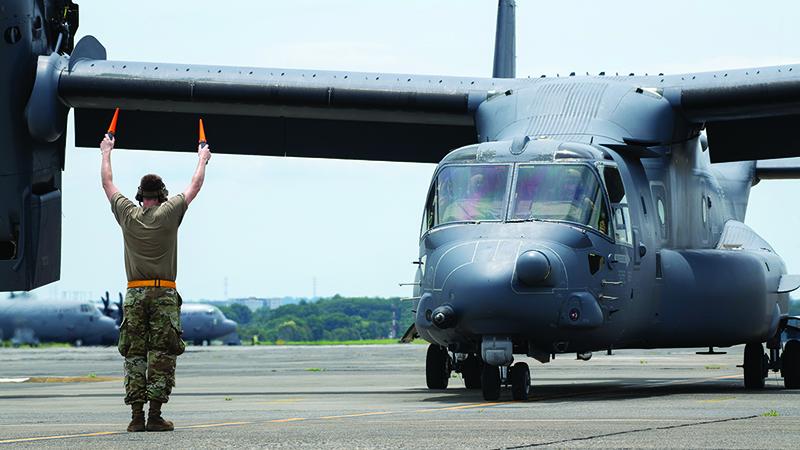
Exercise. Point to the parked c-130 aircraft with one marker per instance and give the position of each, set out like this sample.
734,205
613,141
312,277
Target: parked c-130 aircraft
26,319
576,214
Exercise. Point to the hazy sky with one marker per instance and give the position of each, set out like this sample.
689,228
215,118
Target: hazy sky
270,225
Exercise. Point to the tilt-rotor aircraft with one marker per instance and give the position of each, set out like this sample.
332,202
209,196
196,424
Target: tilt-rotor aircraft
566,215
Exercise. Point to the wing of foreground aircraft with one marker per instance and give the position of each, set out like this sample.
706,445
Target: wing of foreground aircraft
277,112
749,114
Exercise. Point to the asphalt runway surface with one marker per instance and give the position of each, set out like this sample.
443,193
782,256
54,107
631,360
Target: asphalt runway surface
375,397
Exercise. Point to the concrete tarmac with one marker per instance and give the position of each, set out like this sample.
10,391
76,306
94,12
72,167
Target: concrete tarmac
375,397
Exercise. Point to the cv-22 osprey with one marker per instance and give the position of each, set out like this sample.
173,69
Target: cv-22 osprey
576,214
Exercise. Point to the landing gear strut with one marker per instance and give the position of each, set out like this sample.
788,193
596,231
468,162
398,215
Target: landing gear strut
437,367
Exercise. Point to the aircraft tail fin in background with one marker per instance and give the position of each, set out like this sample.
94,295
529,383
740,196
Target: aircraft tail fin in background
505,53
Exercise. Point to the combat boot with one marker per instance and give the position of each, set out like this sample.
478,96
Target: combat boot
137,417
154,420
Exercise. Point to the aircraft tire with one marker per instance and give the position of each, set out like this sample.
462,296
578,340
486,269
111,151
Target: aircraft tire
754,366
471,371
490,382
437,367
520,381
791,365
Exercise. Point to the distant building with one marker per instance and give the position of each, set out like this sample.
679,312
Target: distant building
254,303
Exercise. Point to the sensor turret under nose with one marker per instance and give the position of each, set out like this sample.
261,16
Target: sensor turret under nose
533,268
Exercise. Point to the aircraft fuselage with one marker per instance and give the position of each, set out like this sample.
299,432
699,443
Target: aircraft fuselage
656,255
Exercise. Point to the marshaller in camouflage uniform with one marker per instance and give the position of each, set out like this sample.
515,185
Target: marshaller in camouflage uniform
150,333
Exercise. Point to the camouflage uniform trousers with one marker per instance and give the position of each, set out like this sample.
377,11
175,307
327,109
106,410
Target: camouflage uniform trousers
150,340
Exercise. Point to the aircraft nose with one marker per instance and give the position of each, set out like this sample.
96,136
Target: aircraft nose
111,331
494,289
228,326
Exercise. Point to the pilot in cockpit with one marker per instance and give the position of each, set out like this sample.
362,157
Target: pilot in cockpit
476,203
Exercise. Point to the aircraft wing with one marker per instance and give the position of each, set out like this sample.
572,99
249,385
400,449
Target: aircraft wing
279,112
749,114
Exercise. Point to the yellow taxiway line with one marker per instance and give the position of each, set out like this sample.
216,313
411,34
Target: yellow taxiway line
376,413
291,419
63,436
214,425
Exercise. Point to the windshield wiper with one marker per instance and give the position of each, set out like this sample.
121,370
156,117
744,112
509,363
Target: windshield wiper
530,219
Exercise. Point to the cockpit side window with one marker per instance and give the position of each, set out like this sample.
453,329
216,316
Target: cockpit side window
468,193
619,205
429,220
560,192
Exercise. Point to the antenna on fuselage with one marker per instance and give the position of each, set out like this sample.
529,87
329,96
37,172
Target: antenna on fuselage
505,53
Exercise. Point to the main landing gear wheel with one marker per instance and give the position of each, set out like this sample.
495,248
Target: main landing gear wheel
520,381
755,368
490,382
471,371
437,367
790,362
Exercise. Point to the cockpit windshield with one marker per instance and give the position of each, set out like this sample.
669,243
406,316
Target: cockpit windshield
468,193
560,192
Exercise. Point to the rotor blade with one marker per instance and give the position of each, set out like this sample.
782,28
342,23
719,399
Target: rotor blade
120,310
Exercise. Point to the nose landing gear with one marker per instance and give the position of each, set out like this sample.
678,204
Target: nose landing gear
471,371
490,382
477,374
493,377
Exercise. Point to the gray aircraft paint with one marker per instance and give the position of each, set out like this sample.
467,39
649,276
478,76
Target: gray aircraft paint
201,322
29,320
686,144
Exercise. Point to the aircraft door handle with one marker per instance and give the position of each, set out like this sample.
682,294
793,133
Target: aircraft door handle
611,259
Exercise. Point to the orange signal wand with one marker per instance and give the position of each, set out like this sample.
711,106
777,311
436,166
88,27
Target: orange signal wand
202,141
112,129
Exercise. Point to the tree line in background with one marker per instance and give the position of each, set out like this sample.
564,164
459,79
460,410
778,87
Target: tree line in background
328,319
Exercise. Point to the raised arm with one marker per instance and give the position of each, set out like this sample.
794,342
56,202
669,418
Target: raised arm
204,154
106,175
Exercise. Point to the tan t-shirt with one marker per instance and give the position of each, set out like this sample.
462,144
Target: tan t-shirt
151,236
